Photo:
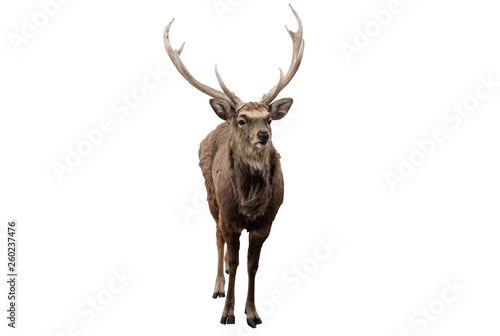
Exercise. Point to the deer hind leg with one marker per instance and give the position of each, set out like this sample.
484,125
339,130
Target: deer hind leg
226,262
220,280
233,247
256,239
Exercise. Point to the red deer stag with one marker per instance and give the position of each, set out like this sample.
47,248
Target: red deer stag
242,171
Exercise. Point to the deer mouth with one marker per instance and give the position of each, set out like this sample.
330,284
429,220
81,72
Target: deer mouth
261,144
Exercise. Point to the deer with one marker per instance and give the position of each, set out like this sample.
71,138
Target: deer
242,171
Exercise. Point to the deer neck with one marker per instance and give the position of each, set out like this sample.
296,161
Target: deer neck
251,179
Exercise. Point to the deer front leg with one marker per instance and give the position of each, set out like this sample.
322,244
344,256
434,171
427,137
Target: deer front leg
220,281
233,247
256,239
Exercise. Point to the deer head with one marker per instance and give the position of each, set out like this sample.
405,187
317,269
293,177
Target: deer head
249,122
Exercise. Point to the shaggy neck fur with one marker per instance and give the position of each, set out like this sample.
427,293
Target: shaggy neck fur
251,178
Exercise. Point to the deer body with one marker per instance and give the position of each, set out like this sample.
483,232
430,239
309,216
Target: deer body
242,173
245,194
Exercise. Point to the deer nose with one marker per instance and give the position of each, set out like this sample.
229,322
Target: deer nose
263,136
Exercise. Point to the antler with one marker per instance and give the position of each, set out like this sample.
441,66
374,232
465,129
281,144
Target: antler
174,55
298,52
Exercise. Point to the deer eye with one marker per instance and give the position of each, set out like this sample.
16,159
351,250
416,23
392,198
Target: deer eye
241,122
269,122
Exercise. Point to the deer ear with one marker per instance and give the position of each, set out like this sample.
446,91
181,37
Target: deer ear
221,108
280,108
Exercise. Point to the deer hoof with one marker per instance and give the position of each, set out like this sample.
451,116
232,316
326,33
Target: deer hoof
218,294
227,319
253,321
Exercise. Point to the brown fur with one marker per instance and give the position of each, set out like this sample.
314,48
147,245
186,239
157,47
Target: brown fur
245,190
253,106
236,184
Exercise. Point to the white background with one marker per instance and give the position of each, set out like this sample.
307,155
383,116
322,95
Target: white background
134,202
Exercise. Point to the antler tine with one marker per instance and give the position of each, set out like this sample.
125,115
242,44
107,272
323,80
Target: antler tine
300,29
298,52
274,91
181,48
176,60
236,101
